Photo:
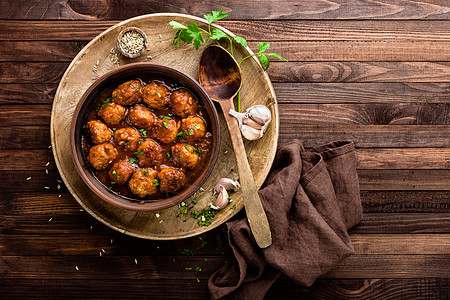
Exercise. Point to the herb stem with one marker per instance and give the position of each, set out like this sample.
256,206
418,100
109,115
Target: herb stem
248,57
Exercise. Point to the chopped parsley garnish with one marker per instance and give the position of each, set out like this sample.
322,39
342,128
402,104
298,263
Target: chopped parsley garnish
145,172
133,160
115,174
187,147
104,102
233,207
191,132
155,182
137,90
140,142
169,156
204,218
115,95
196,126
114,129
157,94
165,124
187,252
143,132
181,135
113,182
138,152
196,150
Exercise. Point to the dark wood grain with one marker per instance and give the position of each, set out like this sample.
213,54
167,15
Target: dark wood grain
375,72
337,9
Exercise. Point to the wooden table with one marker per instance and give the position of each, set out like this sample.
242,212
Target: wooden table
375,72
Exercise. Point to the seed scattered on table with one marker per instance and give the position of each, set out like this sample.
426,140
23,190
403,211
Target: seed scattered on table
50,219
135,260
28,178
47,187
76,268
47,164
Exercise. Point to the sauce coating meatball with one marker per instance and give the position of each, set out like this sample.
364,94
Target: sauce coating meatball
165,130
140,116
184,156
100,156
121,171
99,132
144,182
183,103
194,128
171,180
128,93
149,153
112,113
156,95
127,138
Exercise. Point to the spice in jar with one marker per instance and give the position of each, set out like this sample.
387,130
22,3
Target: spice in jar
132,42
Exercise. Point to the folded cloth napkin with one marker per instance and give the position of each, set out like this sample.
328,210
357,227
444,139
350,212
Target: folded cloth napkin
311,199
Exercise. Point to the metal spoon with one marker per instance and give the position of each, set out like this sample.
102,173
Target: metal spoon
220,76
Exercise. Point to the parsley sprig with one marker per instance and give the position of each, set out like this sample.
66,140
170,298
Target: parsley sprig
192,34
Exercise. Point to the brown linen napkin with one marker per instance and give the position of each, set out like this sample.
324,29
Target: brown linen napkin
311,199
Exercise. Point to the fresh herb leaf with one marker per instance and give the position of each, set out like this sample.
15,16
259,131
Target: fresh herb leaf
165,124
133,160
240,40
143,132
264,61
215,16
196,126
263,46
155,182
191,132
277,56
217,34
145,172
177,25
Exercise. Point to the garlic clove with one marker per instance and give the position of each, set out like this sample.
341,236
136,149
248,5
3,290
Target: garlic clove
260,114
239,116
251,123
221,200
227,183
250,133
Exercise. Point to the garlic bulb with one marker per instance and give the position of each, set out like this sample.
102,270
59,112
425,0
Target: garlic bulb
253,123
227,183
221,200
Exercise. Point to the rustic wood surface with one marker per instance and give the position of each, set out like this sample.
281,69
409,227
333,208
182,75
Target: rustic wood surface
375,72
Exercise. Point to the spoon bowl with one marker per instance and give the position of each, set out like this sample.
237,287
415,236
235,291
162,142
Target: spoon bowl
219,73
221,77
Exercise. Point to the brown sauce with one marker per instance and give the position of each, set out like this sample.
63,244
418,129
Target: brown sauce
203,144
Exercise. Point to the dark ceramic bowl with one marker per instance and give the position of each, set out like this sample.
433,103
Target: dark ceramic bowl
114,78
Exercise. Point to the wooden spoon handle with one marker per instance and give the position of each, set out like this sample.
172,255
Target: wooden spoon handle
253,208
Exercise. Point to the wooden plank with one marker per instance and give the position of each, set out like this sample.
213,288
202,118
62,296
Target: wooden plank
32,72
368,159
25,115
24,137
279,72
368,136
39,50
336,9
18,93
25,197
251,30
392,266
162,267
349,51
81,223
340,51
389,289
403,223
360,72
364,136
92,245
366,114
376,92
369,92
406,201
404,180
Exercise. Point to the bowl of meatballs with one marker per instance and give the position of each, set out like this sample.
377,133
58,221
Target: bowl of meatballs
145,136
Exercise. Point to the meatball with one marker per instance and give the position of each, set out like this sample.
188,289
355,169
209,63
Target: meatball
100,156
171,180
99,132
184,156
165,130
156,95
194,128
140,116
149,153
121,171
127,138
128,93
112,113
183,103
144,182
